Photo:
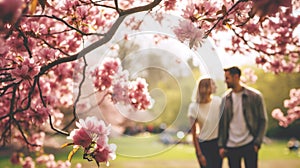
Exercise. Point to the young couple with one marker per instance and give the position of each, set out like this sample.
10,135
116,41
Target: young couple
231,127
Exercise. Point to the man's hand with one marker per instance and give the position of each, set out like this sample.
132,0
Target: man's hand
256,148
222,152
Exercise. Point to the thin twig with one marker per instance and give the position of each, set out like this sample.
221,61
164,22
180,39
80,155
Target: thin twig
45,105
79,94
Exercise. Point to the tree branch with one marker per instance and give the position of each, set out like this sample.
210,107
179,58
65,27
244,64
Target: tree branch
222,17
25,41
65,23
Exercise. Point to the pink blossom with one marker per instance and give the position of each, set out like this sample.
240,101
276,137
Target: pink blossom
26,70
100,21
47,54
15,158
294,99
28,163
111,65
80,137
187,31
120,87
277,114
120,93
69,5
104,75
138,94
42,159
38,139
260,60
90,130
248,76
94,127
82,11
189,12
93,136
105,154
40,115
49,162
169,4
293,112
78,165
3,47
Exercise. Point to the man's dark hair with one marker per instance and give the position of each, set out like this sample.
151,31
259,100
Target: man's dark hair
233,70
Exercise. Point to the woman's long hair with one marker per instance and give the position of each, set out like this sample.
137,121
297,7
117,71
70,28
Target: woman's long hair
204,90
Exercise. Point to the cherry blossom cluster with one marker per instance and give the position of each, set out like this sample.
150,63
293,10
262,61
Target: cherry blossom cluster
47,161
111,77
248,76
138,94
186,31
41,41
92,135
268,31
39,44
293,112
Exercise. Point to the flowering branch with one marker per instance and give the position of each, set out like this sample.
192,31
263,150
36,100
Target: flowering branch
225,13
293,112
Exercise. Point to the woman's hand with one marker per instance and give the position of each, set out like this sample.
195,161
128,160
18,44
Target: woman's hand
202,160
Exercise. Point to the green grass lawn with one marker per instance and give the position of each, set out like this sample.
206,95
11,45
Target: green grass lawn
149,153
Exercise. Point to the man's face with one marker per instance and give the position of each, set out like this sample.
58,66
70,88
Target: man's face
229,79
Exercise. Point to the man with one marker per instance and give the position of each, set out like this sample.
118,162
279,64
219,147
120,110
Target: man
243,122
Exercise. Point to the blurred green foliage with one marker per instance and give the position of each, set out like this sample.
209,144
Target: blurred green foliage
276,88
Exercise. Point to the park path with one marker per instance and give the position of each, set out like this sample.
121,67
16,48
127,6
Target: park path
193,164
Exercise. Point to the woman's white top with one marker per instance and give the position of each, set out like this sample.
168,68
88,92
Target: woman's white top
208,117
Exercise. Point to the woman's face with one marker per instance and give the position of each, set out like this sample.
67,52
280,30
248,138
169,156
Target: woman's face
206,86
213,87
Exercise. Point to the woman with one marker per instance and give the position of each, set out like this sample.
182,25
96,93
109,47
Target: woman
204,114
